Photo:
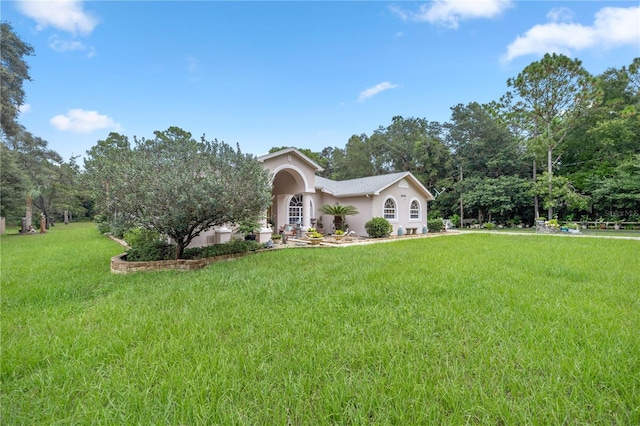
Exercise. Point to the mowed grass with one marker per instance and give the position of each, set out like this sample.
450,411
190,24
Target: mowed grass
474,328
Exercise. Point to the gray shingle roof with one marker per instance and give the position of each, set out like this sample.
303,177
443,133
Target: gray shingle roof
360,186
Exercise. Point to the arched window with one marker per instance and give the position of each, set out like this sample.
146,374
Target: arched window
295,209
414,210
389,211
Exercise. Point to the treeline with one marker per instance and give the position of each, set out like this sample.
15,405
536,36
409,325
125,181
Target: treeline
560,143
35,179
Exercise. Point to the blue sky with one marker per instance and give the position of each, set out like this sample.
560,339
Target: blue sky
291,73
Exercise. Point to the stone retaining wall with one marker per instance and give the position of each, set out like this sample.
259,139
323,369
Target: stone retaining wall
121,266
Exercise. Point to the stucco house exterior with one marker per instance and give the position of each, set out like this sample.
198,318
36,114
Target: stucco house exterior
298,195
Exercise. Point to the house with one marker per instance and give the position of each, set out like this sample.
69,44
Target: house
298,195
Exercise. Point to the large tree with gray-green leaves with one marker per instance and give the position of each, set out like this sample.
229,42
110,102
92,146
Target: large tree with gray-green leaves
178,186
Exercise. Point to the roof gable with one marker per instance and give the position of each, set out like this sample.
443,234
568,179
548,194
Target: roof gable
371,185
291,151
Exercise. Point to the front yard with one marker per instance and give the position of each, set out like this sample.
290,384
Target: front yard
473,328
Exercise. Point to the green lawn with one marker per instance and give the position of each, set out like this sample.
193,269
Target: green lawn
474,328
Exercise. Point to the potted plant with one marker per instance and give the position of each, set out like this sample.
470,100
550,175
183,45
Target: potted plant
310,231
617,222
338,235
315,238
572,228
277,238
248,228
584,221
552,225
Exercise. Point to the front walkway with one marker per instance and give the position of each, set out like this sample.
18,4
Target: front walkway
352,241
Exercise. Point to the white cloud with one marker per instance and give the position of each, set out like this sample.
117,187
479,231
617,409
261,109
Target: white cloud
612,27
65,15
372,91
81,121
560,14
65,45
449,13
62,46
24,108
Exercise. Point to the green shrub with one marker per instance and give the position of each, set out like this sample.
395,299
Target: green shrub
435,225
112,225
489,225
103,227
137,237
455,219
378,227
150,251
232,247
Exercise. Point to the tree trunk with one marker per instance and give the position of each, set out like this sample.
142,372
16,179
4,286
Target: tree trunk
549,177
536,206
461,205
29,212
337,222
179,250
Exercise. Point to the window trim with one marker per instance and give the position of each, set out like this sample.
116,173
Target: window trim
395,209
419,210
299,207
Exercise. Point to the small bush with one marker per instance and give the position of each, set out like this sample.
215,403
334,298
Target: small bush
137,237
103,227
114,225
378,227
489,225
435,225
157,250
553,223
232,247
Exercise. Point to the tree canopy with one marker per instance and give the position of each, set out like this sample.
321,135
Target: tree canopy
554,93
14,70
176,185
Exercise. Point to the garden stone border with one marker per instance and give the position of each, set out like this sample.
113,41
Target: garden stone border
119,265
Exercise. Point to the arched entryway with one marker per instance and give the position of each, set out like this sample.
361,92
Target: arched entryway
291,203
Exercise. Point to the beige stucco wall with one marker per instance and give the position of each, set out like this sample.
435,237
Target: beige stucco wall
298,173
403,192
356,222
373,206
403,196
